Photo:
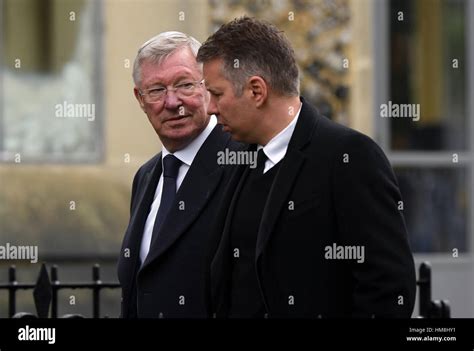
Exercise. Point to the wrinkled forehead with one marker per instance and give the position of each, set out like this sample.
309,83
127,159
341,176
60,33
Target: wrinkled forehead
181,64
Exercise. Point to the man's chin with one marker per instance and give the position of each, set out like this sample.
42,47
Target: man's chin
178,139
242,138
236,137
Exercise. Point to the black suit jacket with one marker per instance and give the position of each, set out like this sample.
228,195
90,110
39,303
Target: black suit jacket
170,283
334,187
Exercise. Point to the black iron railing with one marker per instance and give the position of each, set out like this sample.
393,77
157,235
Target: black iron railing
45,293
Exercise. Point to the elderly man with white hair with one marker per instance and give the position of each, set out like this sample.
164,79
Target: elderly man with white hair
163,259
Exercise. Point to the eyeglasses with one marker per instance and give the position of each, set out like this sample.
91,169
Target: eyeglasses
182,90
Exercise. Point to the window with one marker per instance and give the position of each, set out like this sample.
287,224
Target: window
51,54
422,116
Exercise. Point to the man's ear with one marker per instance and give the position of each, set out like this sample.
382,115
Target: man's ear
139,98
258,90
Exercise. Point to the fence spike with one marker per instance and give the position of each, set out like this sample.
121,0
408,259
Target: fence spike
96,272
42,293
12,273
12,291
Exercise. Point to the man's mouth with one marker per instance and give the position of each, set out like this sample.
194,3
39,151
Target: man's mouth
176,118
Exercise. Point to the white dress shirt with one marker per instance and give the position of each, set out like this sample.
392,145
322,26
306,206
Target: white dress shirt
276,148
186,156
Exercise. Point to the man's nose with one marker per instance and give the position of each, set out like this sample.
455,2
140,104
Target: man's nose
212,107
172,102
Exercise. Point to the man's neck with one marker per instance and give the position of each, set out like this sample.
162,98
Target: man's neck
280,113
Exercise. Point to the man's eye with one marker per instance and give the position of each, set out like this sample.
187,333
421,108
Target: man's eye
185,86
156,91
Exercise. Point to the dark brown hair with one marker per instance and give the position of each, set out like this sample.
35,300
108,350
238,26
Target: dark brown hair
251,47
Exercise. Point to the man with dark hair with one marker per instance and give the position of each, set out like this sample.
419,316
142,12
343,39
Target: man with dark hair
162,264
314,230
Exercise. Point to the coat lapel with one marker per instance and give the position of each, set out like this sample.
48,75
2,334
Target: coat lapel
221,263
194,196
278,195
134,234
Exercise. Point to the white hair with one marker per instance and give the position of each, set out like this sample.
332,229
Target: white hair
161,46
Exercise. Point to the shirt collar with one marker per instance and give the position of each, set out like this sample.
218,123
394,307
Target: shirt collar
276,148
187,154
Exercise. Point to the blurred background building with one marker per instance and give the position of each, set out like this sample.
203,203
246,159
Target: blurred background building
65,178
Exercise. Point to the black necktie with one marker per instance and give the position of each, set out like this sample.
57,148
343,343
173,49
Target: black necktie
171,166
261,159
